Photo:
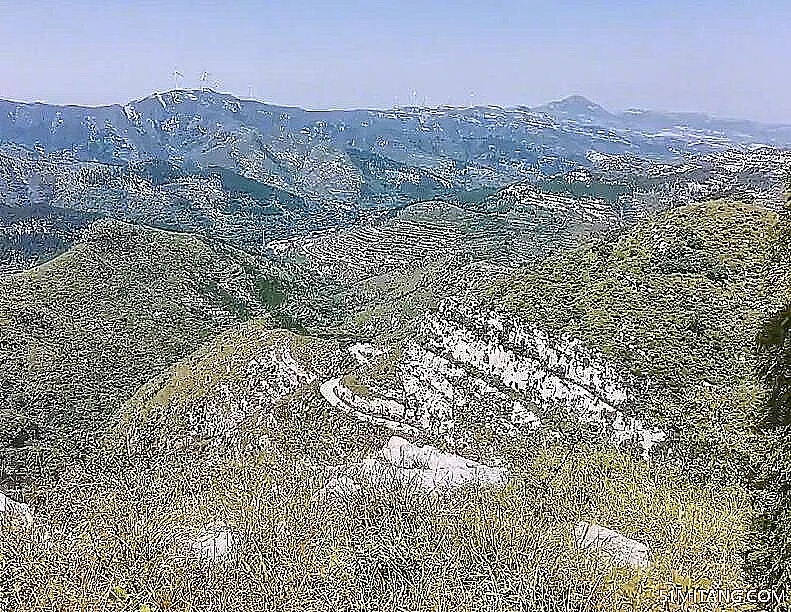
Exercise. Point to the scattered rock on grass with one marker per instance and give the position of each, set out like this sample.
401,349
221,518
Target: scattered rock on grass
401,463
365,352
520,415
433,469
214,542
624,551
15,511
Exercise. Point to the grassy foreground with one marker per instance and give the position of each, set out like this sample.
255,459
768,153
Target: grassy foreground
119,539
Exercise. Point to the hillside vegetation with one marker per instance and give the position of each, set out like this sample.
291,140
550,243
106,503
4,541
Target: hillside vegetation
769,554
676,302
239,436
80,333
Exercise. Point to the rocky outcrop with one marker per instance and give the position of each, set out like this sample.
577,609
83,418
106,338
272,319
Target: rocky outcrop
15,512
214,542
549,371
403,464
526,358
432,469
465,360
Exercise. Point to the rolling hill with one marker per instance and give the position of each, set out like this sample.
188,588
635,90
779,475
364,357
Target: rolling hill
80,332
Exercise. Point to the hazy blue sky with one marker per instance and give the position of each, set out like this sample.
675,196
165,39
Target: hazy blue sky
729,58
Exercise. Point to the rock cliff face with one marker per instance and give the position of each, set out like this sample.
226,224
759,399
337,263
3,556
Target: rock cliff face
548,372
526,359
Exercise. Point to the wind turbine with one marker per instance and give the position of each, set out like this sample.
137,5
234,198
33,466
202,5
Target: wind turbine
177,78
203,79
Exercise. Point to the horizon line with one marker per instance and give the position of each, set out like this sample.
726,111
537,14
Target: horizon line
534,109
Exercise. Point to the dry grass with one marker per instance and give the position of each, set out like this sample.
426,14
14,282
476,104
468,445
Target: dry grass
119,527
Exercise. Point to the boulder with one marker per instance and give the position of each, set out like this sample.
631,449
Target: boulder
15,511
624,551
401,463
433,469
214,542
339,487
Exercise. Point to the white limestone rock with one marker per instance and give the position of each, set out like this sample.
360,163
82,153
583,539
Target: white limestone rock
364,352
548,371
624,551
10,509
520,415
214,542
271,374
403,464
630,429
432,390
432,469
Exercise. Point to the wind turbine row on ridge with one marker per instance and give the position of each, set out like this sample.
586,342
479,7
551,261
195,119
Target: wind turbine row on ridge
178,80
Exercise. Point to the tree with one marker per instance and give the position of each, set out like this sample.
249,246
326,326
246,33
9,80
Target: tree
774,348
769,554
774,340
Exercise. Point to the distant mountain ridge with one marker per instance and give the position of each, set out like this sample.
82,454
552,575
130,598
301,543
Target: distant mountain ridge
248,173
203,128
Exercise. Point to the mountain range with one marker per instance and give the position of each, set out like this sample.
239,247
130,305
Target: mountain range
209,128
249,174
437,358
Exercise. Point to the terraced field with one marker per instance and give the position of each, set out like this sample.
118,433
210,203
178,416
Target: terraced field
438,234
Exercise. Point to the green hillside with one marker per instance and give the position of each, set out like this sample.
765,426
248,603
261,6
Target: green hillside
395,266
238,433
677,302
80,333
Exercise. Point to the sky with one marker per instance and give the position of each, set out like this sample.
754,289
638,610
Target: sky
727,58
